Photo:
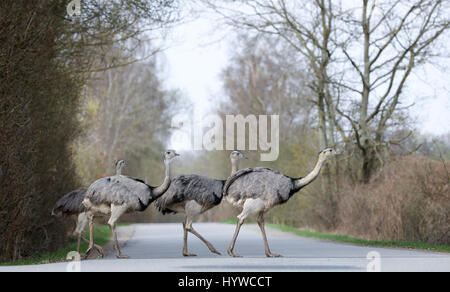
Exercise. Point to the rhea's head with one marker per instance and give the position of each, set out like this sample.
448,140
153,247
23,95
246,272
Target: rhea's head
327,153
169,155
236,155
119,164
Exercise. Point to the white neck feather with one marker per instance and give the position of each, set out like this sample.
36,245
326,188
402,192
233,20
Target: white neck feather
300,183
160,190
234,166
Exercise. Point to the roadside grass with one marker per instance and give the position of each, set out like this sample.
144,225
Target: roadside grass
355,240
102,235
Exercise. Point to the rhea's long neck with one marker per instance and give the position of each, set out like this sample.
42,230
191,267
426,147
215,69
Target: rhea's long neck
158,191
234,166
119,170
304,181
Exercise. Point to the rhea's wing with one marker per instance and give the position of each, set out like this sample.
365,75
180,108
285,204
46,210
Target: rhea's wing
173,195
267,184
242,173
205,191
120,190
70,204
135,179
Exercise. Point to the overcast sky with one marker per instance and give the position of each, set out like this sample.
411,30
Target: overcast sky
198,52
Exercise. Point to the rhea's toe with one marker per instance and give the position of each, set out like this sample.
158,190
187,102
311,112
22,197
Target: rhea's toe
216,252
232,254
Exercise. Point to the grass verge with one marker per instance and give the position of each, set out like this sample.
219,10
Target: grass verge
102,235
355,240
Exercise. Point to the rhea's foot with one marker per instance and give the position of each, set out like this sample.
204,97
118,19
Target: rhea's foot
92,253
232,254
272,255
100,250
216,251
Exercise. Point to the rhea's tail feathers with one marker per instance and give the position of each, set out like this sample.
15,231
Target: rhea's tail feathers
161,205
70,204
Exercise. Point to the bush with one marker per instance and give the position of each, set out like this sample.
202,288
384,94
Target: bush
38,104
409,200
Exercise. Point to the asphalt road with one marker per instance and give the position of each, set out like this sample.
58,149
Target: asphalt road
157,247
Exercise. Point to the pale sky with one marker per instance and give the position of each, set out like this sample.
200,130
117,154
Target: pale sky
196,55
198,52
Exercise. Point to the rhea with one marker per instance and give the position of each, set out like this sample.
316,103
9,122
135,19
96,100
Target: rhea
193,195
119,194
257,190
71,205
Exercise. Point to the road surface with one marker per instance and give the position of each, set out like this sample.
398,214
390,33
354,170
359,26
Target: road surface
157,247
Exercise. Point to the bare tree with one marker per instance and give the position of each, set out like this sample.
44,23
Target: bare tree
266,77
125,24
305,26
361,57
381,43
126,114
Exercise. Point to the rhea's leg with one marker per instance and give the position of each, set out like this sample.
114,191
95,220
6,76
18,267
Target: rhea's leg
233,241
90,218
97,247
80,224
208,244
119,255
116,212
91,232
193,231
185,235
82,221
251,206
263,232
192,209
78,242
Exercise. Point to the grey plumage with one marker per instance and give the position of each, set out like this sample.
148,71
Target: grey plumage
121,190
259,182
206,191
119,194
194,194
70,204
258,189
